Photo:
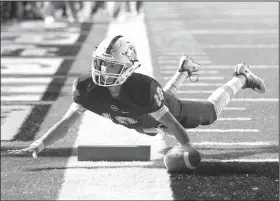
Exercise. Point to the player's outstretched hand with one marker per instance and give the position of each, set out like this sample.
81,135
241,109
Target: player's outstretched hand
33,149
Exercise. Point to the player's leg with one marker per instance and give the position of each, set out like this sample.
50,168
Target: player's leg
194,113
243,78
186,67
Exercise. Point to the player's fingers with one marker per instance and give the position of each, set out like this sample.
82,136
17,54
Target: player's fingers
34,154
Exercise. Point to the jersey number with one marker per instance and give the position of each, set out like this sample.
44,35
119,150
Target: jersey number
121,120
159,96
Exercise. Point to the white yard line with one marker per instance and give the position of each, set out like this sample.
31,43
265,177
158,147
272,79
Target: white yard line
15,97
176,61
25,80
201,77
265,67
119,181
235,119
227,144
200,72
240,99
229,31
234,108
193,55
202,84
222,130
242,160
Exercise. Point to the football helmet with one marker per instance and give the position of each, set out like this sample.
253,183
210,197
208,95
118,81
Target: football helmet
113,61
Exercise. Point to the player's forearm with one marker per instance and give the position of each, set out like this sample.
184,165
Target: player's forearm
56,132
179,132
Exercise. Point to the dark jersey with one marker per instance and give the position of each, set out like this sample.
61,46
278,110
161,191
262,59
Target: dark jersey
140,95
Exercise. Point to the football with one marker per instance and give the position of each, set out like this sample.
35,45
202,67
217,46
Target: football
178,159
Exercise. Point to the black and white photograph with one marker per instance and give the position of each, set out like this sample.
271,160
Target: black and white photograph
139,100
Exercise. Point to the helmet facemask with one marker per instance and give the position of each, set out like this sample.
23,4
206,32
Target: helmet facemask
113,69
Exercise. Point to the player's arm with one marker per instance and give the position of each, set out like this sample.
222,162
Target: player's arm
55,133
164,116
61,128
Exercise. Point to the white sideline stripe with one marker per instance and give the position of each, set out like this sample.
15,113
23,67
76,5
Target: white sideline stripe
208,143
117,183
265,67
234,108
201,78
200,72
240,99
14,121
241,160
235,119
222,130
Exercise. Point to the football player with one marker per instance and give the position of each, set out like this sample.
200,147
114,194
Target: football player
113,90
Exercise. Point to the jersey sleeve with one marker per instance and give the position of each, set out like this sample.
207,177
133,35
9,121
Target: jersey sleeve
78,96
158,108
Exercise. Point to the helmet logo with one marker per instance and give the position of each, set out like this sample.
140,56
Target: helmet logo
130,53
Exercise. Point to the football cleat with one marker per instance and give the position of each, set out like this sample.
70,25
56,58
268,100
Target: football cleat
252,81
187,64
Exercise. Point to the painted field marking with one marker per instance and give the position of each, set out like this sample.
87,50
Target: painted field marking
195,57
178,53
265,67
23,97
23,89
235,119
124,183
232,144
234,46
229,31
175,61
201,78
195,92
30,65
241,160
25,80
234,108
240,99
13,121
223,130
202,84
46,38
200,72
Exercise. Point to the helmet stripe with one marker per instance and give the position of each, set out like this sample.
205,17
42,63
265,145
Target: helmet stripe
112,43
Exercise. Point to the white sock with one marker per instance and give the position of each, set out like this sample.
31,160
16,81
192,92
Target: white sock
175,82
222,96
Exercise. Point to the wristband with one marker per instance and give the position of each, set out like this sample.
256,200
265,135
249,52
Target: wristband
38,144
